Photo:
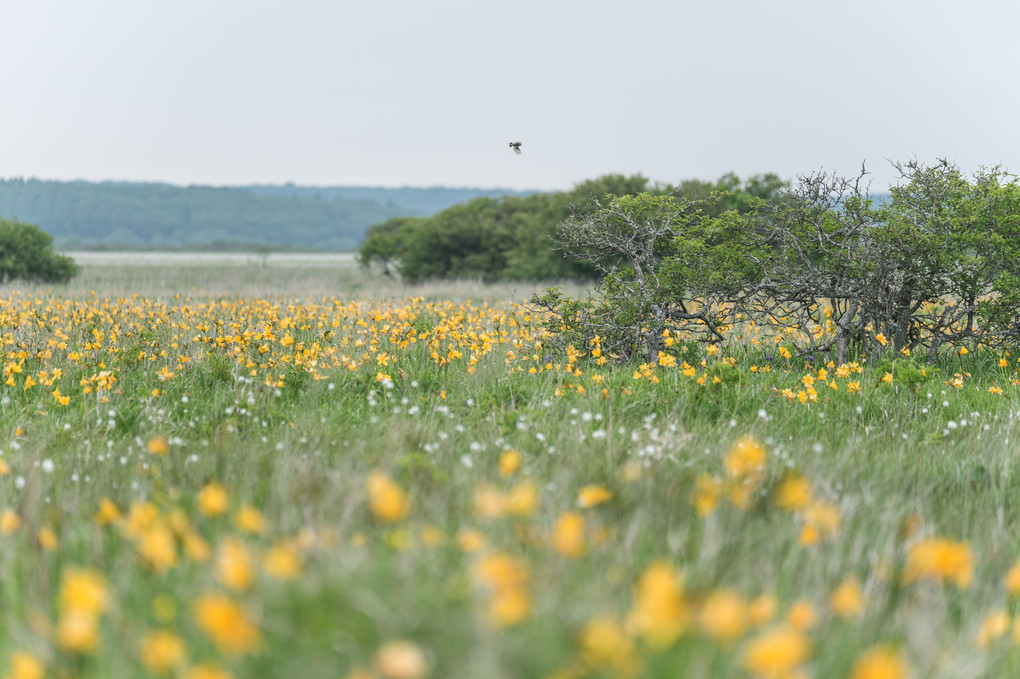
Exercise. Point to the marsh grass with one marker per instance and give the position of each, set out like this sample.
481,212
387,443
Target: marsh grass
887,459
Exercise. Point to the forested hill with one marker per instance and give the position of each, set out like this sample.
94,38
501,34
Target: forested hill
144,215
420,201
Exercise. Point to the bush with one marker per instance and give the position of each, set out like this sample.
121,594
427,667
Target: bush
665,271
935,265
26,253
820,263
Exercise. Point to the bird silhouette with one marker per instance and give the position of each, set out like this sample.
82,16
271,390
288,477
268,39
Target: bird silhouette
516,146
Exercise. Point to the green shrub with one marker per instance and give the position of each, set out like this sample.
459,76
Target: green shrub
26,253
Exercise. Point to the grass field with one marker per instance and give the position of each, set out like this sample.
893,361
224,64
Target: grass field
274,471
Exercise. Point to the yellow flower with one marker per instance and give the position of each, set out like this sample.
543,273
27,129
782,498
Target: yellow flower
225,622
568,535
9,522
847,600
501,572
107,514
776,653
887,378
4,468
605,644
801,616
161,651
821,520
510,607
47,539
195,546
386,499
470,540
761,609
746,459
660,612
881,339
234,564
78,631
723,615
83,591
941,560
157,547
963,351
509,462
994,627
590,496
213,500
282,562
706,495
24,666
158,445
141,517
489,503
400,659
522,499
880,662
249,520
1012,580
793,493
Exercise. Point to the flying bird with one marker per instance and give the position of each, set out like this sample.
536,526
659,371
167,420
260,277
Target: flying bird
516,146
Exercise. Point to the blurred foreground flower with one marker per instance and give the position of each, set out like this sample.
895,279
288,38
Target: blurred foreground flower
776,653
225,623
940,560
880,662
162,651
723,615
590,496
24,666
660,612
399,659
386,499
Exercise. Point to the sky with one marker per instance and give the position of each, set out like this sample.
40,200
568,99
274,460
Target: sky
431,92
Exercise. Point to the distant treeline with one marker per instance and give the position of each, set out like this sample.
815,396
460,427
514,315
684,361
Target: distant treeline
510,238
104,215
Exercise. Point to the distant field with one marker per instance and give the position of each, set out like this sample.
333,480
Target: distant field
240,274
190,259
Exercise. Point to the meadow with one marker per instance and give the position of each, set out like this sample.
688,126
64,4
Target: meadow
246,470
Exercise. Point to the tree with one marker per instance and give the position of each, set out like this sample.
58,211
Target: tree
935,265
26,253
818,264
665,267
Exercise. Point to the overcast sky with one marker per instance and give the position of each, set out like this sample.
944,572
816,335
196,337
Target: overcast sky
431,92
